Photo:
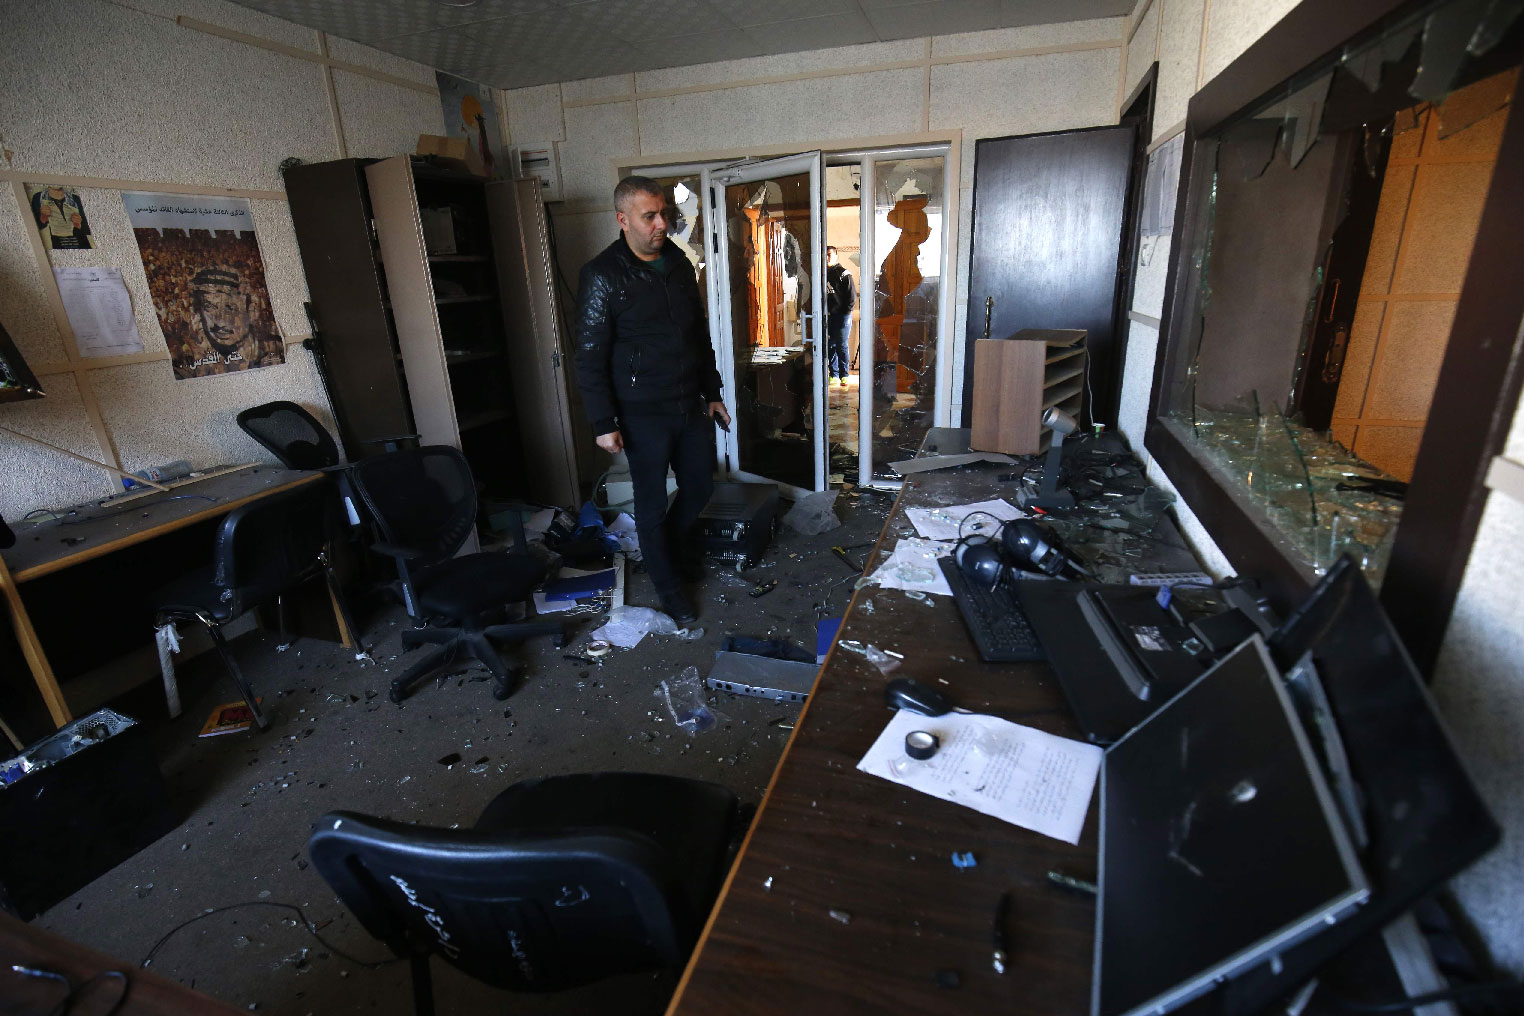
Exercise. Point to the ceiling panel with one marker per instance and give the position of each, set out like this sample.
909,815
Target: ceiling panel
516,43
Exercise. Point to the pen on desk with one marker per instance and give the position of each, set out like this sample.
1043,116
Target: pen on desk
1002,910
1073,884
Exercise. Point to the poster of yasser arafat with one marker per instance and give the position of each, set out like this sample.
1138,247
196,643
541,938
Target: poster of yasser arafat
207,281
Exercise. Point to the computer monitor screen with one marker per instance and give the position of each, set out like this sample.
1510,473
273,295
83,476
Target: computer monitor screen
1420,814
1220,841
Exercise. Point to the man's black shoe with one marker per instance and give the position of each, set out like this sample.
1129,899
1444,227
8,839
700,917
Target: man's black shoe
680,609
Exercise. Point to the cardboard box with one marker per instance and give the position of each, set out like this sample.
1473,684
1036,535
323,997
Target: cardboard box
456,153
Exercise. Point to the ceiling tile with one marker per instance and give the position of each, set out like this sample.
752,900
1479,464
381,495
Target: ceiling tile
750,12
939,17
813,33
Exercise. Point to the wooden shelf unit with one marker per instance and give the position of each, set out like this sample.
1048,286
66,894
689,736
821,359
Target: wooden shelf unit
1017,379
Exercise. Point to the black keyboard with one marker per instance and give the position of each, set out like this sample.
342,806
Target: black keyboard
994,617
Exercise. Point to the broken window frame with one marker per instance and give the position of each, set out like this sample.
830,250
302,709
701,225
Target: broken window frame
1479,383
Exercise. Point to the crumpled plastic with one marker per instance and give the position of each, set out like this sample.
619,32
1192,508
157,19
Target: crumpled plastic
813,514
687,701
626,626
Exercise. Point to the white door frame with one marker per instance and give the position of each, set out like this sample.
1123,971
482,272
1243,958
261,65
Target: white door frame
813,163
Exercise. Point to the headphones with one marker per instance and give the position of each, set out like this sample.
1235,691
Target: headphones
1021,544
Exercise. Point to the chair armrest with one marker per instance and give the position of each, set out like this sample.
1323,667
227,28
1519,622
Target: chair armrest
394,550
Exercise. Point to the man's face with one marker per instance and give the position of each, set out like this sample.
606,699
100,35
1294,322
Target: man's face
831,256
643,219
220,310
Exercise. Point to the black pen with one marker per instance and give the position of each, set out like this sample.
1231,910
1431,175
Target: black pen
1002,910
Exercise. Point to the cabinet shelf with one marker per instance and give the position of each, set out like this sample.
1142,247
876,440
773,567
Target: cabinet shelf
457,259
456,358
445,301
471,421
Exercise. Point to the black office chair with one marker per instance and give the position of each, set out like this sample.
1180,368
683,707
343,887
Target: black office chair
264,549
291,434
422,502
562,881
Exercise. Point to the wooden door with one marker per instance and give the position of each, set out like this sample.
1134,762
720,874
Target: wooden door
1047,241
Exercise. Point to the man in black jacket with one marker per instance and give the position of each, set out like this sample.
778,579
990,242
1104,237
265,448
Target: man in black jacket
648,381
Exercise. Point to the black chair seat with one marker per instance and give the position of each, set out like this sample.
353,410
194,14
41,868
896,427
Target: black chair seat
193,594
463,586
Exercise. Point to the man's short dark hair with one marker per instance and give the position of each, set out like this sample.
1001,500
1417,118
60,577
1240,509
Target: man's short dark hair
633,185
829,249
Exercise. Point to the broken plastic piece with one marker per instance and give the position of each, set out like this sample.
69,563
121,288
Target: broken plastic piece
686,701
965,859
840,915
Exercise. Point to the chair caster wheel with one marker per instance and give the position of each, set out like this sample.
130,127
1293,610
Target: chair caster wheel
396,695
500,692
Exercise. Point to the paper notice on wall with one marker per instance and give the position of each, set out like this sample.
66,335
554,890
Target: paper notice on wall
1015,773
99,310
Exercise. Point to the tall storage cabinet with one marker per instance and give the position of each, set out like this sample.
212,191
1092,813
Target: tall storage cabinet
434,293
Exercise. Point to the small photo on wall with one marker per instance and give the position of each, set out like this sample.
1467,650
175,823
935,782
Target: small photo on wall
59,216
207,280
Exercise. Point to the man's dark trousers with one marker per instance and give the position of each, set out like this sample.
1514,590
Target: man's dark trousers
838,326
683,439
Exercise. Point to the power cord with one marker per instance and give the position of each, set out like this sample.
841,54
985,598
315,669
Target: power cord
311,929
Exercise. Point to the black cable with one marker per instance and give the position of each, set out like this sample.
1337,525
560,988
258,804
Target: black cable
1468,991
311,928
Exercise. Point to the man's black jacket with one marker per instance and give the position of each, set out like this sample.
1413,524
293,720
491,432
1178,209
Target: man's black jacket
642,340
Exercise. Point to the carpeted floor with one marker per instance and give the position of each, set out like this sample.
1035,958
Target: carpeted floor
235,868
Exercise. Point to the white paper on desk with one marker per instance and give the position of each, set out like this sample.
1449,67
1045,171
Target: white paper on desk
945,523
99,310
913,566
1015,773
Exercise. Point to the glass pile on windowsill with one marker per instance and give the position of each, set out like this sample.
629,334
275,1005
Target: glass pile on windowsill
1272,462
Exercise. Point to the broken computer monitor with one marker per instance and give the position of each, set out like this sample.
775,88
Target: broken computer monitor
1221,843
1418,819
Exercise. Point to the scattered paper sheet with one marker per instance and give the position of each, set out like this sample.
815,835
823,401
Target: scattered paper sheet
99,310
1014,773
913,566
947,523
929,462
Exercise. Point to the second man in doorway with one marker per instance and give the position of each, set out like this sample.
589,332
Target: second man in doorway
647,374
841,300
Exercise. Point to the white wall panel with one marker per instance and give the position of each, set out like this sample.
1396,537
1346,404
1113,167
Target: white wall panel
1150,276
195,107
1141,51
810,111
381,119
840,58
1026,95
594,136
581,235
1179,52
1030,37
230,15
387,63
1232,26
1142,350
156,419
51,480
24,308
598,88
534,114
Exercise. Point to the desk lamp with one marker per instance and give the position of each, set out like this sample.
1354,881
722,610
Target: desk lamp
1048,495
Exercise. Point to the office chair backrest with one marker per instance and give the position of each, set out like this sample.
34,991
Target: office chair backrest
420,498
265,546
526,913
291,434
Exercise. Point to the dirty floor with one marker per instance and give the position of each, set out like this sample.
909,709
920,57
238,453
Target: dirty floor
235,868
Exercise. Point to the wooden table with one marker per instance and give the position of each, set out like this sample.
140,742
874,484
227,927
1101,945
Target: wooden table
146,994
97,531
845,898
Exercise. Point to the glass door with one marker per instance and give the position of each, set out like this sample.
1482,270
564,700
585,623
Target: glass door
766,302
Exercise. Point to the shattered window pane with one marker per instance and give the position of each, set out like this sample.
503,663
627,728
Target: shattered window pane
1334,226
902,307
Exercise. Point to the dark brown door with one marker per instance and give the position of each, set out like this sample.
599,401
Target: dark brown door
1047,239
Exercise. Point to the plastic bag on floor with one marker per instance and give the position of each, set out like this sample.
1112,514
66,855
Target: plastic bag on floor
686,701
813,514
626,626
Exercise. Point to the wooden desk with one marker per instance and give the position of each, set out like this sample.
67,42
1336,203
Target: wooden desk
829,838
147,994
40,548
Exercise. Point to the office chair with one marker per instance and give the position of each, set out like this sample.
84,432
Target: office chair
264,549
562,881
291,434
422,502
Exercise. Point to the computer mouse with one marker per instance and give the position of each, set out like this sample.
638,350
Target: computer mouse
908,693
